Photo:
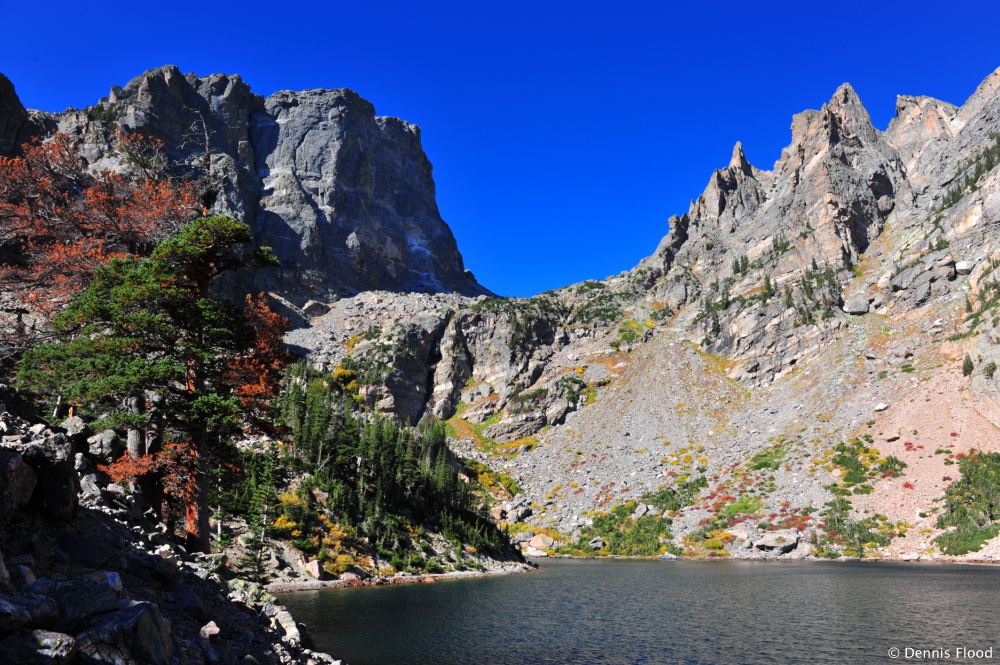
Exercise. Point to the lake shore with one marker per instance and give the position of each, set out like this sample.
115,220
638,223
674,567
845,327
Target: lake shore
429,578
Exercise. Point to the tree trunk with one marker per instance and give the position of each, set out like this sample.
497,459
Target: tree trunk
136,405
196,509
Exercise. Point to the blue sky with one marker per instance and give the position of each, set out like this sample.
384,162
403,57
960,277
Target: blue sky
563,135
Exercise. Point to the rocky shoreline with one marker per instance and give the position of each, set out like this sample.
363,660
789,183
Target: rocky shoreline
316,585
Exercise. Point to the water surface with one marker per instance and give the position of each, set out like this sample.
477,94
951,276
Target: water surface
646,612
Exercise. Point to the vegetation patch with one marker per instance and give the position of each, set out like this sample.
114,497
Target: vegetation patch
971,505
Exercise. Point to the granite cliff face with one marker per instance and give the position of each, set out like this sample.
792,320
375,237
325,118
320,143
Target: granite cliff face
345,198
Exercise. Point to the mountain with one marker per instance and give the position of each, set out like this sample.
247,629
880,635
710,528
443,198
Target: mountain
782,375
795,324
345,198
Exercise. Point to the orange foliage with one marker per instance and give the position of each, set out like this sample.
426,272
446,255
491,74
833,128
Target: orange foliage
58,220
176,467
255,376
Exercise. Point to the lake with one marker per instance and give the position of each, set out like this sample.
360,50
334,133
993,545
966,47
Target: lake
646,612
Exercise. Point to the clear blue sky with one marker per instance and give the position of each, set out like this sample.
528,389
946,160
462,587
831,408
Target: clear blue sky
563,135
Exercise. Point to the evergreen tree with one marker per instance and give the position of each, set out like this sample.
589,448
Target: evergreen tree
147,326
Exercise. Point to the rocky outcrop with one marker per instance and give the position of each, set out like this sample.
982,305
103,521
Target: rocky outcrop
103,583
349,197
16,127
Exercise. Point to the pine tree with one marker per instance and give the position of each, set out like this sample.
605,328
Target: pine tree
147,326
967,366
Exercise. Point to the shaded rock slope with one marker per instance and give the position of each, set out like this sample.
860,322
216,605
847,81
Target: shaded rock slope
86,577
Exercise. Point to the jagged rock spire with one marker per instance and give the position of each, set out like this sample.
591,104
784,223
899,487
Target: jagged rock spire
739,162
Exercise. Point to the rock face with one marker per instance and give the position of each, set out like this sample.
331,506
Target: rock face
346,199
16,126
349,196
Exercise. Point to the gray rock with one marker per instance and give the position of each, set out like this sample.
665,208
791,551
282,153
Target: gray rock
76,429
596,543
964,267
16,126
314,308
518,514
38,647
780,541
83,598
856,306
137,634
106,446
17,482
522,537
53,460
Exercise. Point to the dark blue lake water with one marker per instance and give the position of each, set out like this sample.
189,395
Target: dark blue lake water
646,612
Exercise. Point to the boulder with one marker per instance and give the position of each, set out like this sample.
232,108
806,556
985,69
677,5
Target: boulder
38,647
284,620
516,426
210,631
53,460
83,598
17,482
640,511
315,568
596,543
518,514
105,446
780,541
137,634
77,430
964,267
541,542
12,615
856,306
314,308
522,537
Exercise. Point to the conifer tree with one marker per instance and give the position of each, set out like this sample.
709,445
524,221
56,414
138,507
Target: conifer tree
148,327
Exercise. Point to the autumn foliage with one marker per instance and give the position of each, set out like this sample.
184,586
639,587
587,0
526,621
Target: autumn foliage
255,375
59,221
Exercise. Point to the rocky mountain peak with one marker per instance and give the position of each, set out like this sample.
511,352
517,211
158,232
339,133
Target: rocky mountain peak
738,162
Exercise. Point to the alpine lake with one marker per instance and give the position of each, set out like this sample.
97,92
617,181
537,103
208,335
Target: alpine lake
652,612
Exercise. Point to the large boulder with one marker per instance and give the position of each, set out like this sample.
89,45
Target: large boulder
53,460
38,647
17,482
137,634
780,541
105,446
83,598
